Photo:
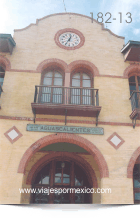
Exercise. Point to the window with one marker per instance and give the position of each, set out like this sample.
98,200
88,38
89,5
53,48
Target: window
81,93
62,173
2,74
50,94
134,85
43,176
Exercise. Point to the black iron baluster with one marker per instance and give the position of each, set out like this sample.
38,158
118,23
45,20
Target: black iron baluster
35,95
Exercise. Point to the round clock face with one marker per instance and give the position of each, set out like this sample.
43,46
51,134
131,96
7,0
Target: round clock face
69,39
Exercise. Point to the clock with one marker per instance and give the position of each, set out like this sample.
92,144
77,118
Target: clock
69,39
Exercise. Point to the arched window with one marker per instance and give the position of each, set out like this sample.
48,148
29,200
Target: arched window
58,175
134,85
81,92
50,93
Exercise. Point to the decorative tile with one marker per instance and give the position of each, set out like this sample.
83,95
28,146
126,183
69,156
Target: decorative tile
13,134
115,140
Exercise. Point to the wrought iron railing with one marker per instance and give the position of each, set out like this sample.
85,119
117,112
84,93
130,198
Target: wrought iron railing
135,100
66,95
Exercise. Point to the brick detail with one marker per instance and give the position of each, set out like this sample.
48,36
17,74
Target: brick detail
66,156
132,162
112,76
5,63
109,140
57,35
68,68
18,132
84,64
70,138
133,69
68,121
23,71
52,62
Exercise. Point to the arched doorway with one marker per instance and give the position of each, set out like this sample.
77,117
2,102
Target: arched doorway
61,181
133,172
75,149
136,181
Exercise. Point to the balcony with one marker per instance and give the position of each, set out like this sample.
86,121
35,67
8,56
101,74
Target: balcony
131,51
7,43
67,101
135,103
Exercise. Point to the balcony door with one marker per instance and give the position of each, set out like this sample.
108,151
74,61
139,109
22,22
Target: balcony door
81,93
50,93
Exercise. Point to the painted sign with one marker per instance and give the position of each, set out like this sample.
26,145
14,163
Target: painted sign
65,129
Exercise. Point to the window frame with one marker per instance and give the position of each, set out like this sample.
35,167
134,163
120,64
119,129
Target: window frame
135,94
136,81
53,69
82,71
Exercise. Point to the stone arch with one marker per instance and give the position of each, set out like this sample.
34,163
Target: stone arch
5,63
67,156
132,162
70,138
133,69
52,62
84,64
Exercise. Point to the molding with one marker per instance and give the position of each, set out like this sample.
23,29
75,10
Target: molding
5,63
52,62
68,121
83,64
23,71
96,71
133,69
16,118
67,68
112,76
68,14
70,138
66,156
77,32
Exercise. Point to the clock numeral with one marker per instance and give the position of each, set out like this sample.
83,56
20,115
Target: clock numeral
69,39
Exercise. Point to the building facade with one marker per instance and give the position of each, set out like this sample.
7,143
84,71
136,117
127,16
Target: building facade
70,111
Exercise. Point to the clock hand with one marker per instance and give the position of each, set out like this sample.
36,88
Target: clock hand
68,39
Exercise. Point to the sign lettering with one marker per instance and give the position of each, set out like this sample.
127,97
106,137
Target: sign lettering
65,129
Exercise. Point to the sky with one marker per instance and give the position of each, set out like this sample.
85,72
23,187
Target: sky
17,14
